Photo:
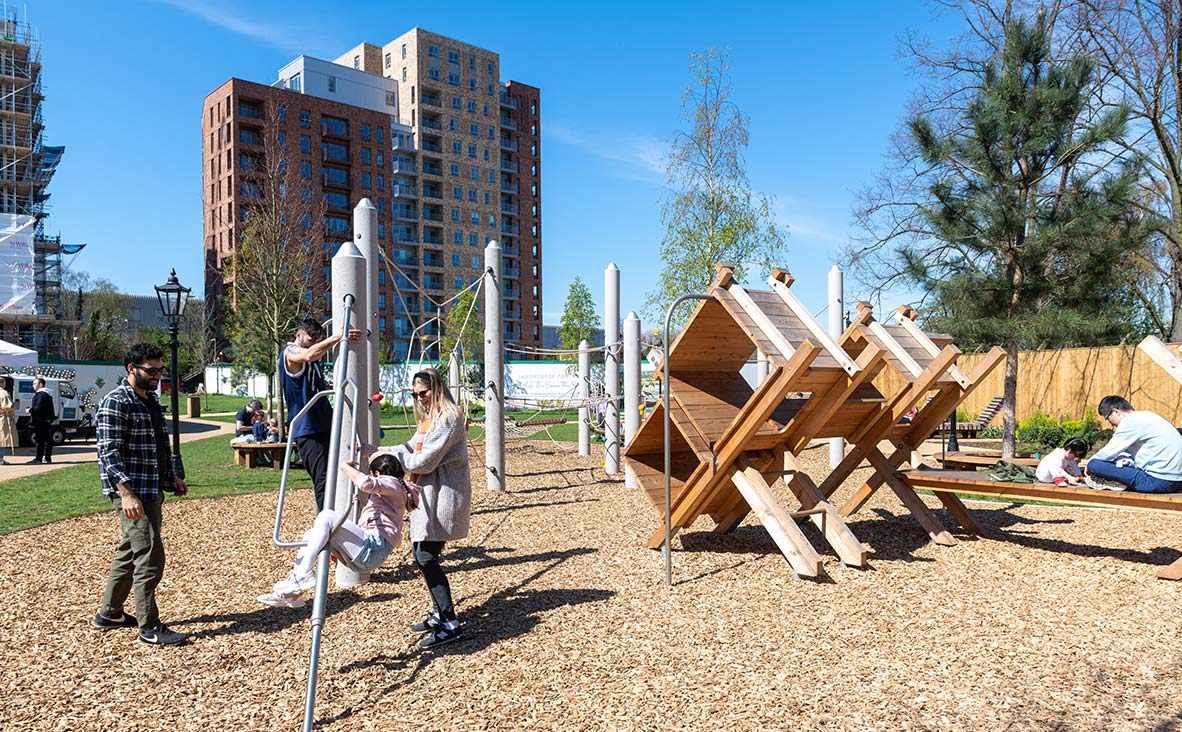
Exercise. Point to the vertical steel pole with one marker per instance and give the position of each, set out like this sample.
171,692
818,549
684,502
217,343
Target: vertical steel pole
453,378
611,368
365,233
346,307
836,309
584,398
494,371
632,401
349,278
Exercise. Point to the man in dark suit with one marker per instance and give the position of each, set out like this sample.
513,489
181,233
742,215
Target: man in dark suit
42,415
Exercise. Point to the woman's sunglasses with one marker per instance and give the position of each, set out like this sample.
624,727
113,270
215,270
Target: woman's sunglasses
422,394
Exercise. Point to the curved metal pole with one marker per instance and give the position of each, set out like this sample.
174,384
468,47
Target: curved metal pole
668,550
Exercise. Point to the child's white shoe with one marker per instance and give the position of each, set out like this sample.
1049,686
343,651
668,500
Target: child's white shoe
295,584
276,599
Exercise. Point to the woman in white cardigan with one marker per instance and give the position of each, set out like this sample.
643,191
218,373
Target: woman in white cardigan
437,459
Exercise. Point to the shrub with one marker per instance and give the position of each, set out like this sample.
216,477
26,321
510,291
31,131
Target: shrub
1042,430
990,432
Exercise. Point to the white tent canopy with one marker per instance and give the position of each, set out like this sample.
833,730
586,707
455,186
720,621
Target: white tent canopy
16,357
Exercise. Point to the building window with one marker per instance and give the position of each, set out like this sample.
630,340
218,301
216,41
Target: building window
453,57
472,151
332,84
457,147
457,238
334,126
459,282
365,156
492,220
432,51
533,210
381,183
533,108
474,173
282,138
455,258
366,180
472,106
492,177
472,195
293,82
281,110
305,118
404,74
356,62
475,262
533,149
472,62
474,240
455,215
487,199
305,169
380,134
533,189
305,144
486,154
403,50
533,170
455,102
452,124
364,132
453,78
486,109
475,217
490,68
335,152
492,133
335,225
457,193
533,229
387,60
381,159
455,169
533,130
336,177
389,99
474,129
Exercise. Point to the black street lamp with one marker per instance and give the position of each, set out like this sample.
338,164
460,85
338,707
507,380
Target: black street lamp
173,298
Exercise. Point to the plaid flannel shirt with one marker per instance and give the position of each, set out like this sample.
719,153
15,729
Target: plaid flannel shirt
128,446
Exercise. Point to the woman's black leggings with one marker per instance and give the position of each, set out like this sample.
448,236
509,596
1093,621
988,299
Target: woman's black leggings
426,554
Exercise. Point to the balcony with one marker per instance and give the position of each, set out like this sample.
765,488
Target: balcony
404,257
401,190
334,178
431,236
510,250
250,110
509,208
509,166
508,186
507,123
430,145
334,156
511,314
431,214
432,191
511,229
432,259
433,283
508,101
510,271
406,213
431,123
403,165
432,100
508,143
431,167
402,141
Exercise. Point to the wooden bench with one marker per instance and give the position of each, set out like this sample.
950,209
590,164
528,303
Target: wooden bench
964,482
972,461
248,454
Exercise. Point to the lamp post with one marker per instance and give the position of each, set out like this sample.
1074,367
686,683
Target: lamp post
173,298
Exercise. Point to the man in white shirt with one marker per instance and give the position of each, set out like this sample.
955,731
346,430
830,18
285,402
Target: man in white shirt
1154,443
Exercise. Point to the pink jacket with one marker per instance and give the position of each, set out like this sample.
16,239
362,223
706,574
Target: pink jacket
388,500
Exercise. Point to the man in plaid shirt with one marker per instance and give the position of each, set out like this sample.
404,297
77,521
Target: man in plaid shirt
135,468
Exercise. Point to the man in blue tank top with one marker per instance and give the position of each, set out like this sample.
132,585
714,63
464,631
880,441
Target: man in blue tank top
301,378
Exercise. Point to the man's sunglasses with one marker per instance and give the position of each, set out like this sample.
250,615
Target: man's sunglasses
149,370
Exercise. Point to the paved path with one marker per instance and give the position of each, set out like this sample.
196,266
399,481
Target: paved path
78,452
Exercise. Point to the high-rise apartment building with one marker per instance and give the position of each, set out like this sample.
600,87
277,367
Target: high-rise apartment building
456,163
31,307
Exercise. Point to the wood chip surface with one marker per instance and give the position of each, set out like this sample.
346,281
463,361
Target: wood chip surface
1054,622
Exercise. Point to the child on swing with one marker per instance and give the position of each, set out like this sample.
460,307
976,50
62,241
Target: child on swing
362,546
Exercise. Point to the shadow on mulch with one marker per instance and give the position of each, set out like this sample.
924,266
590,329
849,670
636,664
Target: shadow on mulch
509,613
471,558
274,619
517,506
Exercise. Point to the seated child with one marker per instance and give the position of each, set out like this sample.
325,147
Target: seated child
1061,465
361,546
273,430
258,426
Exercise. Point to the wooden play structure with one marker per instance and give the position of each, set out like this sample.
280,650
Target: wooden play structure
730,442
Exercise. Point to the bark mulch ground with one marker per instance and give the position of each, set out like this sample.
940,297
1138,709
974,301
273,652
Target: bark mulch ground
1055,622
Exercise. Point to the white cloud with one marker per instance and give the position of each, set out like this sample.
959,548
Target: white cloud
641,157
230,19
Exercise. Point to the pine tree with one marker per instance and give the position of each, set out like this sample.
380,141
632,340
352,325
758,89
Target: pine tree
579,319
1031,241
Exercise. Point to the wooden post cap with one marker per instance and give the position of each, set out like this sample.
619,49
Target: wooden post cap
908,312
724,274
783,276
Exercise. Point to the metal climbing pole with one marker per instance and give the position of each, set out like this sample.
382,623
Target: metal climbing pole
611,368
494,371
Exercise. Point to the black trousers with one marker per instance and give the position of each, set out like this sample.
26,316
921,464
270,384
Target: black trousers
313,451
426,554
43,436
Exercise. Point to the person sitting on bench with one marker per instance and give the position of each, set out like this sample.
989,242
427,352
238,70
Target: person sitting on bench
1061,465
1154,443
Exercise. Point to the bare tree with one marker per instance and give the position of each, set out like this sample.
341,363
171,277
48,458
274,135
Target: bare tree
1139,45
277,265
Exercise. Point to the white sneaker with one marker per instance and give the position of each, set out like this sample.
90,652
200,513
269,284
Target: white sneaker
295,584
1103,485
276,599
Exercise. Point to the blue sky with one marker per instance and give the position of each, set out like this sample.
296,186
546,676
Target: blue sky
822,83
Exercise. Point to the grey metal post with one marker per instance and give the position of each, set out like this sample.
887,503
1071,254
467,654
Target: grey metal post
365,227
453,378
631,387
836,310
349,278
494,371
611,368
760,367
584,397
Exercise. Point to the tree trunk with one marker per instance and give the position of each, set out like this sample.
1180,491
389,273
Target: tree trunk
1009,404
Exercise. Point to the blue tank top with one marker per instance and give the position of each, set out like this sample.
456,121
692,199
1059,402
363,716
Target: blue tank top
297,391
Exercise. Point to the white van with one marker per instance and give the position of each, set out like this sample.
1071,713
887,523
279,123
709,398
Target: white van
74,420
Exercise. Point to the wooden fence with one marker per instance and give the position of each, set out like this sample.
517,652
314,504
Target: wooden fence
1070,382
